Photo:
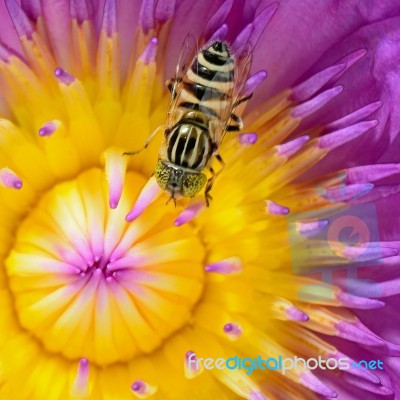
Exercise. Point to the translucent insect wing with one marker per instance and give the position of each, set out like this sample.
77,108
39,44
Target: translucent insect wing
188,52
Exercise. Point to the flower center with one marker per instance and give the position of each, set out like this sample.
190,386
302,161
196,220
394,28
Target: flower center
88,284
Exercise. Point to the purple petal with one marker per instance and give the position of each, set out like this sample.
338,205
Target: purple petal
81,10
165,10
297,19
218,18
32,8
20,20
109,20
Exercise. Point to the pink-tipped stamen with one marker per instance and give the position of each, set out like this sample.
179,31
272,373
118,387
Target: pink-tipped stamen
342,136
233,330
9,179
228,266
148,195
80,387
288,149
294,314
273,208
305,109
64,77
248,138
190,212
149,53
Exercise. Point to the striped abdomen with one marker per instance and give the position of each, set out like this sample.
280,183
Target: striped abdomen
189,145
208,83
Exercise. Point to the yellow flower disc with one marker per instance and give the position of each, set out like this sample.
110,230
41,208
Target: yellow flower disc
87,284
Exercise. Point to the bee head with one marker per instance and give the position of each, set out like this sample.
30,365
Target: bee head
179,181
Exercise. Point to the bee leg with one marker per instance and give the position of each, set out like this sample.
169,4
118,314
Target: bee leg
242,100
171,85
146,143
235,124
211,181
171,198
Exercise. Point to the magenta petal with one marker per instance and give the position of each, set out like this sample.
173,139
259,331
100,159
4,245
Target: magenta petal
218,18
165,10
19,18
81,10
297,19
373,79
32,8
109,20
146,16
58,27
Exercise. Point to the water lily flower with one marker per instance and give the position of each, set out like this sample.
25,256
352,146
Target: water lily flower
108,293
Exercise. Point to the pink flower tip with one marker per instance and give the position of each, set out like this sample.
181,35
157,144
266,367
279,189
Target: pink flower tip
248,138
149,53
276,209
63,76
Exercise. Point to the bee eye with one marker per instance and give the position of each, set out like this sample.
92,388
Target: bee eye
162,174
193,183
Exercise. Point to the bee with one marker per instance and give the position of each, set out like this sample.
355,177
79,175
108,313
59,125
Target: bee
205,92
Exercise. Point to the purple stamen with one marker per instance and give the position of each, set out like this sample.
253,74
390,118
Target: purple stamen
165,10
192,367
276,209
64,77
233,330
253,82
138,386
355,116
189,213
368,252
219,17
347,193
242,39
229,266
248,138
5,53
357,334
260,22
109,22
294,314
256,396
292,147
311,86
380,390
32,8
81,10
220,33
337,138
361,303
377,193
148,194
10,179
350,60
361,372
48,129
149,53
81,385
371,173
309,229
146,16
20,20
305,109
313,383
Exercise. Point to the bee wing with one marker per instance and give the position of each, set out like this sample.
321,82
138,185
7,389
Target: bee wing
188,52
242,68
